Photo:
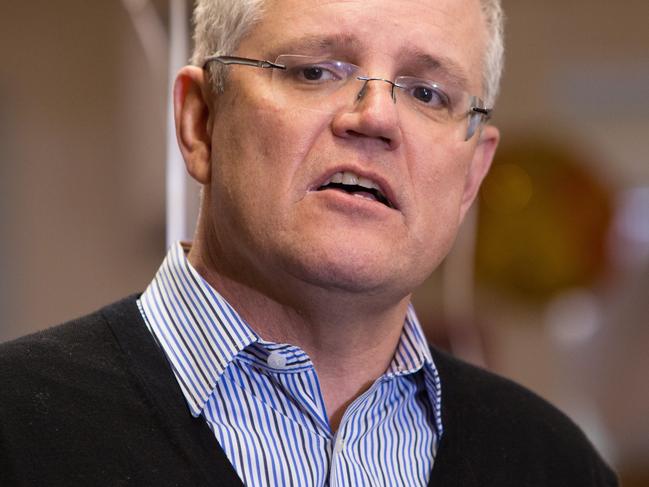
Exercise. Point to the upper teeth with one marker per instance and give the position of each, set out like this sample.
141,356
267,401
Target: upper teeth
348,177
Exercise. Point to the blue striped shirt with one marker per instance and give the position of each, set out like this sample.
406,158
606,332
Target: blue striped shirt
263,401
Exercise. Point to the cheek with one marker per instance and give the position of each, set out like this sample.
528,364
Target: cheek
258,149
439,181
245,132
262,125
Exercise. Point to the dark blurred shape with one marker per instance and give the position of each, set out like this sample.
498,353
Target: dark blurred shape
543,221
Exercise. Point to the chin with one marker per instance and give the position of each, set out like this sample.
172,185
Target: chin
353,270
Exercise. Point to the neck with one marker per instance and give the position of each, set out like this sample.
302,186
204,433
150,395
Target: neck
350,339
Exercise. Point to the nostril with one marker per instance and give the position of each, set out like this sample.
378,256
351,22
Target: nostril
354,133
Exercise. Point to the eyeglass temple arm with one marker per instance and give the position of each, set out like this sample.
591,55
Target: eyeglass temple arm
483,111
242,60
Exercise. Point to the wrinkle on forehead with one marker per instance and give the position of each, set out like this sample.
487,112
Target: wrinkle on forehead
432,35
318,42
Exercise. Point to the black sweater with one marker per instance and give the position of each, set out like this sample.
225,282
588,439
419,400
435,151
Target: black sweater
93,402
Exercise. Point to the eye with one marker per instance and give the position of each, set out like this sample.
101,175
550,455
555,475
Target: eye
430,96
315,73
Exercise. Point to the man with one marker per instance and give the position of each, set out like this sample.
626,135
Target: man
339,145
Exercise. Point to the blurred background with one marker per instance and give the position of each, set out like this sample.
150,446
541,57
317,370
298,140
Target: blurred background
548,283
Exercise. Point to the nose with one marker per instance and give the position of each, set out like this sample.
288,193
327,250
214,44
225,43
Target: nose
374,115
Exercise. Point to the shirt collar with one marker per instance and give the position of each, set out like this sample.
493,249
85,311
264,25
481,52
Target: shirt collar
195,326
201,334
412,355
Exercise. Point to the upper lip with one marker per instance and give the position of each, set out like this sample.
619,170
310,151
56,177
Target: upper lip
382,183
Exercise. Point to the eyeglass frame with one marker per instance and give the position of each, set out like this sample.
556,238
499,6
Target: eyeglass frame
474,108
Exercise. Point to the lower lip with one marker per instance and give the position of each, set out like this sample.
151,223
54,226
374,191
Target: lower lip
349,203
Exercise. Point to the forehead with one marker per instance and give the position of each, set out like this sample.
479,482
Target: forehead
376,31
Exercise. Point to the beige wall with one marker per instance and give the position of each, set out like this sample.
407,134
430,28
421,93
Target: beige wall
83,129
578,70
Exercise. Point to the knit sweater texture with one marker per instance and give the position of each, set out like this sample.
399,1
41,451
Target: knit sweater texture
93,402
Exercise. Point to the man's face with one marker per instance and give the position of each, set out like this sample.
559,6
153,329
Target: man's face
267,216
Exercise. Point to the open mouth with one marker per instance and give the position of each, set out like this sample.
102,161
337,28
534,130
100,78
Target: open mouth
359,186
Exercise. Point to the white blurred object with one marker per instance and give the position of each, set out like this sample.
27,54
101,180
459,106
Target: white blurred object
171,51
575,322
151,32
179,225
573,317
630,237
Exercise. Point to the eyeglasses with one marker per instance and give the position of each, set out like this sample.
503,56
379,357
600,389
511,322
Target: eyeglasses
327,85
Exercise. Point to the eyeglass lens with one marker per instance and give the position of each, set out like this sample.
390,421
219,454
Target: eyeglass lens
329,86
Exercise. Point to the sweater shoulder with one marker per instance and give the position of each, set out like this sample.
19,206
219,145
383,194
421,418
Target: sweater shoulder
501,423
473,393
467,384
68,356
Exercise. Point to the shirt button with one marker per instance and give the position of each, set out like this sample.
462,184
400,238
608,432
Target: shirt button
340,444
276,360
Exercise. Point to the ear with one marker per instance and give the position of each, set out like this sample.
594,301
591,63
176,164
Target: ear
480,164
193,122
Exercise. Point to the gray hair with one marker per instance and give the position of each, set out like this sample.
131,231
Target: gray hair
494,59
220,25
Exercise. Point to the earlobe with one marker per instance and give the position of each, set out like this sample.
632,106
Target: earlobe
192,115
480,164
